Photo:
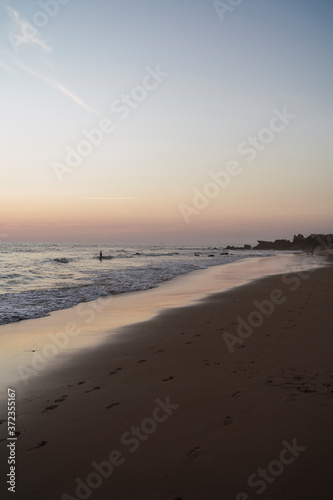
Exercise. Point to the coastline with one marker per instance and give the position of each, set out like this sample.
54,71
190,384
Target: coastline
234,409
35,345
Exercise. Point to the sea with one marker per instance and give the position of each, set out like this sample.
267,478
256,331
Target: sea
36,279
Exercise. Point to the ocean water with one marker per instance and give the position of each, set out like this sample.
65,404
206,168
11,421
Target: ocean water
36,279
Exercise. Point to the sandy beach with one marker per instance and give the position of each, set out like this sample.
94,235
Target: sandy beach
166,250
230,397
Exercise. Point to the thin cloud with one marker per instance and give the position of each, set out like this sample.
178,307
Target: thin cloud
57,85
30,35
75,98
104,198
27,37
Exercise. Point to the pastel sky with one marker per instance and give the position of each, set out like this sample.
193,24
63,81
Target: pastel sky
179,88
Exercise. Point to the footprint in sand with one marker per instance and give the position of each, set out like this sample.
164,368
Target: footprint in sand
236,394
305,389
161,350
188,343
40,445
94,389
141,361
194,453
168,379
82,382
61,399
48,408
228,421
2,421
113,404
115,371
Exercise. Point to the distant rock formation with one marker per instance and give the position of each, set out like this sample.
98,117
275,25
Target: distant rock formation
312,242
245,247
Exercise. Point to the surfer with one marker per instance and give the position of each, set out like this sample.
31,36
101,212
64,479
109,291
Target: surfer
100,255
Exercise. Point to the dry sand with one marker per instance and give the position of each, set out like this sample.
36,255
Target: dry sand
230,413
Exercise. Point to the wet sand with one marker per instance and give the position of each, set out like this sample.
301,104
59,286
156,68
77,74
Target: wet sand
190,405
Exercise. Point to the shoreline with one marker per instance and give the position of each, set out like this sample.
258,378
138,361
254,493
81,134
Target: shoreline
231,413
35,345
87,280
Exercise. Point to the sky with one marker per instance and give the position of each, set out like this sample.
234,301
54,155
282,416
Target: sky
176,122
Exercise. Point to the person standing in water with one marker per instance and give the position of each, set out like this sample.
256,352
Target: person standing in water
100,255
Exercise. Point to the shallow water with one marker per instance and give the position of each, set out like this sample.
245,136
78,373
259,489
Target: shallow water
46,343
36,279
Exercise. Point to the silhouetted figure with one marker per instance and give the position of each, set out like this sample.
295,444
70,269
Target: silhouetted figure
100,255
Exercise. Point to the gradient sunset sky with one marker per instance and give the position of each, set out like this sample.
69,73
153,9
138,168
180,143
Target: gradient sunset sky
226,73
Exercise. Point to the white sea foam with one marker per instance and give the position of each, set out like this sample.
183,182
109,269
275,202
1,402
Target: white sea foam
37,279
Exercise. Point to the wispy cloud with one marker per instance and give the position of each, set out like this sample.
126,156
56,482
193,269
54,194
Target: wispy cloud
57,85
28,33
75,98
104,198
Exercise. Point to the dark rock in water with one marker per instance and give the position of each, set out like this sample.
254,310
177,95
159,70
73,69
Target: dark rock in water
274,245
211,255
197,255
224,253
137,253
245,247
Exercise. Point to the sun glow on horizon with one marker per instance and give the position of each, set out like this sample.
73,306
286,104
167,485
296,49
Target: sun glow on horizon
234,144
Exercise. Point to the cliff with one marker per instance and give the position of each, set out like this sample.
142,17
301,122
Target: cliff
324,241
